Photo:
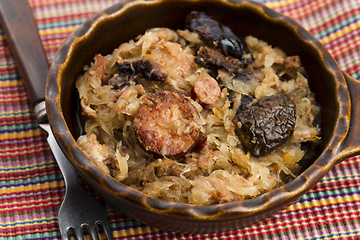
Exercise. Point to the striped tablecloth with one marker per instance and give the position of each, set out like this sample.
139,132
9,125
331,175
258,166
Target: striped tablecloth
32,187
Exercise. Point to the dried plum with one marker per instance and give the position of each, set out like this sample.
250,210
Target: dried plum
125,70
266,124
245,76
219,36
149,69
245,101
121,78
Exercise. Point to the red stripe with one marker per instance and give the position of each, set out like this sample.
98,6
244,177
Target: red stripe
29,204
22,210
288,226
344,50
5,52
38,172
348,162
55,42
336,186
30,229
313,210
56,37
65,17
302,10
20,155
33,195
14,90
54,3
8,70
333,21
9,101
36,137
21,94
353,69
25,146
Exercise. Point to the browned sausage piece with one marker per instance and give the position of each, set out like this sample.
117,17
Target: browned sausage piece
213,59
168,124
207,90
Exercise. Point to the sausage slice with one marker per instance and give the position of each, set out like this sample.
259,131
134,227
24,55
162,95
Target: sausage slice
168,124
207,90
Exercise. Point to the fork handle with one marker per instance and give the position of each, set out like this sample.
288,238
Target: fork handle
67,170
23,38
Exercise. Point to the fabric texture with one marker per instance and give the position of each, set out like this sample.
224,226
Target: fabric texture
31,185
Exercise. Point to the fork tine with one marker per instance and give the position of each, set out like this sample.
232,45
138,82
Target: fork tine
93,231
64,234
106,229
78,233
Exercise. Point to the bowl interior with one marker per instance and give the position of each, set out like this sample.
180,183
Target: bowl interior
114,28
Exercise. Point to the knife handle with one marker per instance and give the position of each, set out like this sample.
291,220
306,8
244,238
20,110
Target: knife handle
19,25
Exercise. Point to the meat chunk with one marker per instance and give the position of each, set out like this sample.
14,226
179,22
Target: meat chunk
168,124
213,59
219,36
98,153
100,67
173,59
149,69
292,62
207,90
263,126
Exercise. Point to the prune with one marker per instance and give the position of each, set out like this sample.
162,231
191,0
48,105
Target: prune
219,36
265,124
149,69
125,70
245,101
145,67
245,76
121,78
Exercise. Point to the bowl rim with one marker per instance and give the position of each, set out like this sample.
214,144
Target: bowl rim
278,198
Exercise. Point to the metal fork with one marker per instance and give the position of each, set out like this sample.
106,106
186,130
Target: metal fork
79,212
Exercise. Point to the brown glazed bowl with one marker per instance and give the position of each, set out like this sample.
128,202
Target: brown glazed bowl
335,91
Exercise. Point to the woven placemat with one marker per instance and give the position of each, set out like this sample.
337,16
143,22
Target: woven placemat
32,187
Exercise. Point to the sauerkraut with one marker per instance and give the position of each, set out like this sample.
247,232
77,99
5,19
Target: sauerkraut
217,168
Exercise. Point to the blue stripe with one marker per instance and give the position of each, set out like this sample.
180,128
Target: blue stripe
53,219
74,22
332,235
9,114
337,27
51,164
343,177
320,208
20,141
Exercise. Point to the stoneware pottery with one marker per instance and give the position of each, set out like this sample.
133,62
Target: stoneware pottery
335,91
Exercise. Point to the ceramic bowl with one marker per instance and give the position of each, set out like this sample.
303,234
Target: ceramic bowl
335,91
